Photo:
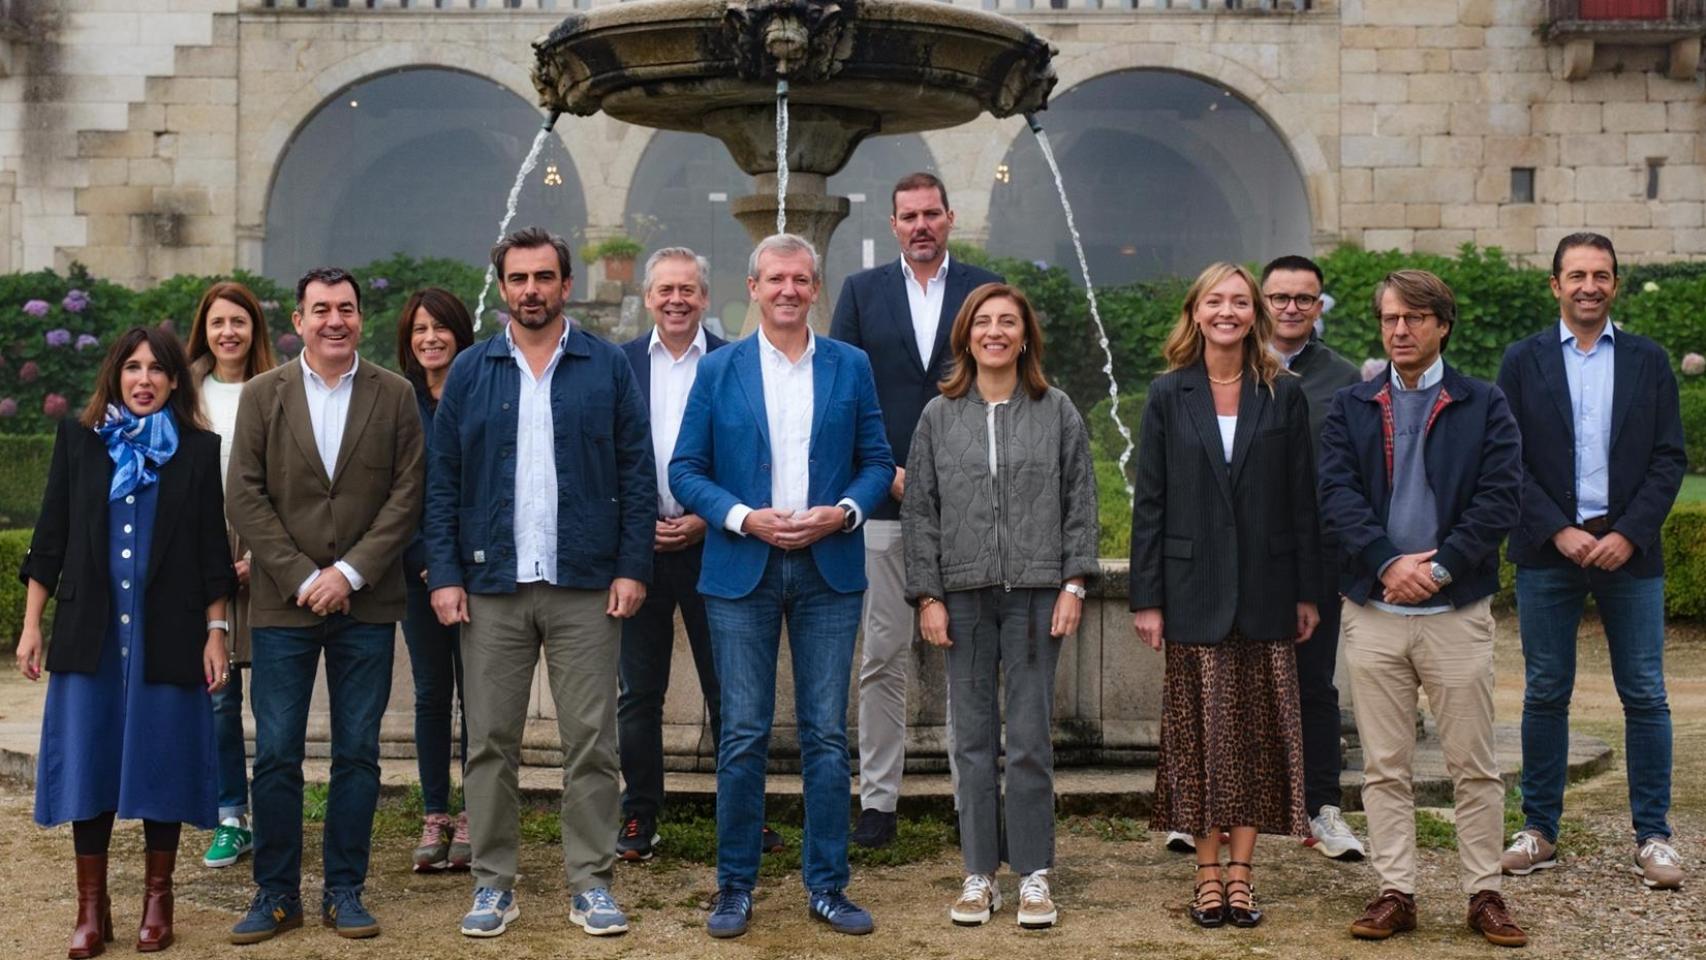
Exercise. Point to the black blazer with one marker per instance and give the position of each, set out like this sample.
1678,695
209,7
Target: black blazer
639,357
1647,459
189,562
873,314
1220,546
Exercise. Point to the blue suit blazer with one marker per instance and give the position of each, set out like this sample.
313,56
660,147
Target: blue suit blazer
722,458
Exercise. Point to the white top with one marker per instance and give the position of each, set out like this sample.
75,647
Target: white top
328,411
925,302
994,467
535,521
1228,430
672,379
219,404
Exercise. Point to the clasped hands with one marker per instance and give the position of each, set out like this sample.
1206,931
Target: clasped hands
793,529
1585,550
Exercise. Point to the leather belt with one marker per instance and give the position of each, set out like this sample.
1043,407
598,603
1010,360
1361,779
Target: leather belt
1598,526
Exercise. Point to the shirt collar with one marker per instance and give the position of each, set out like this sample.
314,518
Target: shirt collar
941,272
562,341
355,361
697,344
1430,376
1289,358
1566,335
769,350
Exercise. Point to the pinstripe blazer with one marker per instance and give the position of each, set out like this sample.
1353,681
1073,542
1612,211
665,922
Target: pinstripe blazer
1221,545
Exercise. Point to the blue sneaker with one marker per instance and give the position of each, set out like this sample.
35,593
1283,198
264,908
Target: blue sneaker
731,911
597,913
270,914
342,911
842,914
494,910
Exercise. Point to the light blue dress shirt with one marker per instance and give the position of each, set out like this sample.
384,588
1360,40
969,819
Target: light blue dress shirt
1591,377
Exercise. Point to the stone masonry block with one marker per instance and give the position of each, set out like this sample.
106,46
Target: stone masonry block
1401,240
1619,182
1422,13
124,199
1678,214
1519,151
1676,147
1554,184
1378,38
1377,88
1601,149
1377,151
1525,215
1631,213
1361,215
1441,241
1636,118
1357,119
1507,119
1567,118
1682,116
1422,215
1444,88
1511,239
1406,119
1423,185
1460,216
1451,151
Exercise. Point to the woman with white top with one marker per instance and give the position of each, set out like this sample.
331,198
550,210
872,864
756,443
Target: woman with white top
228,346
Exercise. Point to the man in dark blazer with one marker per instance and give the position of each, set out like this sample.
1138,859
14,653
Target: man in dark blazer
1603,460
782,452
1292,287
325,487
900,315
676,286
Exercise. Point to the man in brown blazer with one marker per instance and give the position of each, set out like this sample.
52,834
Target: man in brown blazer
325,486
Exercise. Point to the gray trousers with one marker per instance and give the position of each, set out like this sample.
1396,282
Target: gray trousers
1001,648
500,648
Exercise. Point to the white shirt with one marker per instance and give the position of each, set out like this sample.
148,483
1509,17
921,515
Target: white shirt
672,379
536,469
219,402
925,302
1228,432
328,411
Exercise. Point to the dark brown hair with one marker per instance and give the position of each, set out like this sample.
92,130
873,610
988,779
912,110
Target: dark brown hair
260,358
529,238
447,308
1423,291
918,181
169,353
964,372
331,277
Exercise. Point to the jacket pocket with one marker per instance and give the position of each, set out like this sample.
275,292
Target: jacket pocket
1177,548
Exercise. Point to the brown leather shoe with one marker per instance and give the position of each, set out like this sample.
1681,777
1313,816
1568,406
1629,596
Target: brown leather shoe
94,928
156,930
1489,917
1391,912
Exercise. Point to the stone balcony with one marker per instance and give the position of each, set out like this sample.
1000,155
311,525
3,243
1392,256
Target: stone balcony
1015,7
1581,25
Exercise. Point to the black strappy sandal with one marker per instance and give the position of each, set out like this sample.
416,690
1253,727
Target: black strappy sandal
1214,914
1246,915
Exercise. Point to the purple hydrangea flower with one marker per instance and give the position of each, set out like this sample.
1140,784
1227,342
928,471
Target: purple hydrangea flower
75,302
8,407
289,343
54,406
1371,368
29,372
379,283
1040,264
85,341
1694,364
58,337
503,318
36,308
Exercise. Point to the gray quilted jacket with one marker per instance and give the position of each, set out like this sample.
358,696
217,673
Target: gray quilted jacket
1034,524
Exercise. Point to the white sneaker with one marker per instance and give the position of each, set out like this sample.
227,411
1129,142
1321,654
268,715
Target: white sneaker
1036,910
1179,842
1333,836
979,899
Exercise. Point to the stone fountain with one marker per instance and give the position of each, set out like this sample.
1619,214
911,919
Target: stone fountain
850,69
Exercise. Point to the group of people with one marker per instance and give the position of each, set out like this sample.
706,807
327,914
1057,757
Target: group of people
546,494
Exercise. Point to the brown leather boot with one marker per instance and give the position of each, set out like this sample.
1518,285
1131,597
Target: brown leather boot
94,928
156,930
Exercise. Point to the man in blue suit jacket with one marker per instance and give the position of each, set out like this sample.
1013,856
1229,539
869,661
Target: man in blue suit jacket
900,314
782,452
1603,461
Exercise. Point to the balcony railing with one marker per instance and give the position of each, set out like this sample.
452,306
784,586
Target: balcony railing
1006,6
1625,21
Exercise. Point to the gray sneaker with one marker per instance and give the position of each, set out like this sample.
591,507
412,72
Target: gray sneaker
1333,836
1659,866
1528,852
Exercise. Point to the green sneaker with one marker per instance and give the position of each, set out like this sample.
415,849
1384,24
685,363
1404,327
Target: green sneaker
231,839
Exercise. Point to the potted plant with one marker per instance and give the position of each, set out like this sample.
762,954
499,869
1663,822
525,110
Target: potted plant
618,254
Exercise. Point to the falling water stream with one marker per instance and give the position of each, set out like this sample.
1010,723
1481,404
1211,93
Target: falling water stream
1090,292
527,165
782,156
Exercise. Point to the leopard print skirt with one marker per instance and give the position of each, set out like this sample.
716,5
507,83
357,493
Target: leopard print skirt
1231,739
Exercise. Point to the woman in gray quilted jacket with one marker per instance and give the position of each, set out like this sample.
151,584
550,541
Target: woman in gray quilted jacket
1000,527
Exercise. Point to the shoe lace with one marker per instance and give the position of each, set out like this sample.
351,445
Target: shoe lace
1034,888
631,828
225,835
486,898
266,902
976,887
461,834
832,902
433,829
733,901
345,902
1332,821
1526,843
599,900
1660,853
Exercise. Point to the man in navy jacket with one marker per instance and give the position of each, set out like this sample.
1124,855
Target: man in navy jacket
541,510
1603,460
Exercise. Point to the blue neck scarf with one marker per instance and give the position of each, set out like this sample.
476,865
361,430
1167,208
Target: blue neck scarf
132,442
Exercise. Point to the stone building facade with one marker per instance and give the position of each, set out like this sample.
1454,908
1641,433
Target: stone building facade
142,137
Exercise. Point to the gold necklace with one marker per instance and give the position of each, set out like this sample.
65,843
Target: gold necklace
1229,380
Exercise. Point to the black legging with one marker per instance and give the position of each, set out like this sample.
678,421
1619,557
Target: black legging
92,836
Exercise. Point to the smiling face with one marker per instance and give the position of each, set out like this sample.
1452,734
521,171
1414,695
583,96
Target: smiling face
1294,298
1585,286
921,223
431,341
230,332
997,334
676,299
533,285
784,288
143,383
329,323
1226,313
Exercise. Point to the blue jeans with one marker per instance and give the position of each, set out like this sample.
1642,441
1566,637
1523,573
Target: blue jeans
358,679
1549,606
229,743
744,639
435,660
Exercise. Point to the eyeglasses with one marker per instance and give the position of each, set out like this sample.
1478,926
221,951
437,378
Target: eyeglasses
1304,301
1390,321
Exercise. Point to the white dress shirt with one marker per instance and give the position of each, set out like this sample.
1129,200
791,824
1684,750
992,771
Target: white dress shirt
672,380
535,521
328,412
925,302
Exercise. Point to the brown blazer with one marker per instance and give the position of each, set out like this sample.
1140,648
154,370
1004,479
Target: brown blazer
296,520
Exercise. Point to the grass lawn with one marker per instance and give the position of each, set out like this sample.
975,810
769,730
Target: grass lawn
1693,489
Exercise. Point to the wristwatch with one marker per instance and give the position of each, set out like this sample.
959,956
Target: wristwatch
1442,576
213,625
1076,589
850,516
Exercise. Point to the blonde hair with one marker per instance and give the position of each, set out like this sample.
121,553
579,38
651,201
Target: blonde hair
1184,346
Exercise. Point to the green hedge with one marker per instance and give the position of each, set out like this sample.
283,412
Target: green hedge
1685,561
23,476
13,545
1693,396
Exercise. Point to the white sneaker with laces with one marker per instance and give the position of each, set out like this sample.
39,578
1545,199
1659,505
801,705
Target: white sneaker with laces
979,899
1333,836
1036,910
1181,842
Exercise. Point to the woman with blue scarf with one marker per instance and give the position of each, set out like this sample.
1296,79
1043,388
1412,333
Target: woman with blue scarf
132,540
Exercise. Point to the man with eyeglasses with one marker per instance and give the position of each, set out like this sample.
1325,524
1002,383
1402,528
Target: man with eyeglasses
1421,474
1292,287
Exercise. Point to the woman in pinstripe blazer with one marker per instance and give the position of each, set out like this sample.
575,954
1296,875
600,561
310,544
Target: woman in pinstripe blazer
1223,533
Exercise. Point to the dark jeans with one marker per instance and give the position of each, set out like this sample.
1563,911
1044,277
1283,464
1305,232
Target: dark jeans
1319,702
745,638
435,659
358,678
648,640
1549,603
228,741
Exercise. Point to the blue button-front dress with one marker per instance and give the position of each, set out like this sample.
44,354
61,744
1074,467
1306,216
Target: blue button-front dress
112,741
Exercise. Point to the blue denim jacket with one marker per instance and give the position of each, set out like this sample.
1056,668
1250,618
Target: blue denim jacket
606,484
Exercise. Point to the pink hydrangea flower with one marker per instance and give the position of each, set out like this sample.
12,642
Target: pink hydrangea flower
8,407
29,372
54,406
1694,364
